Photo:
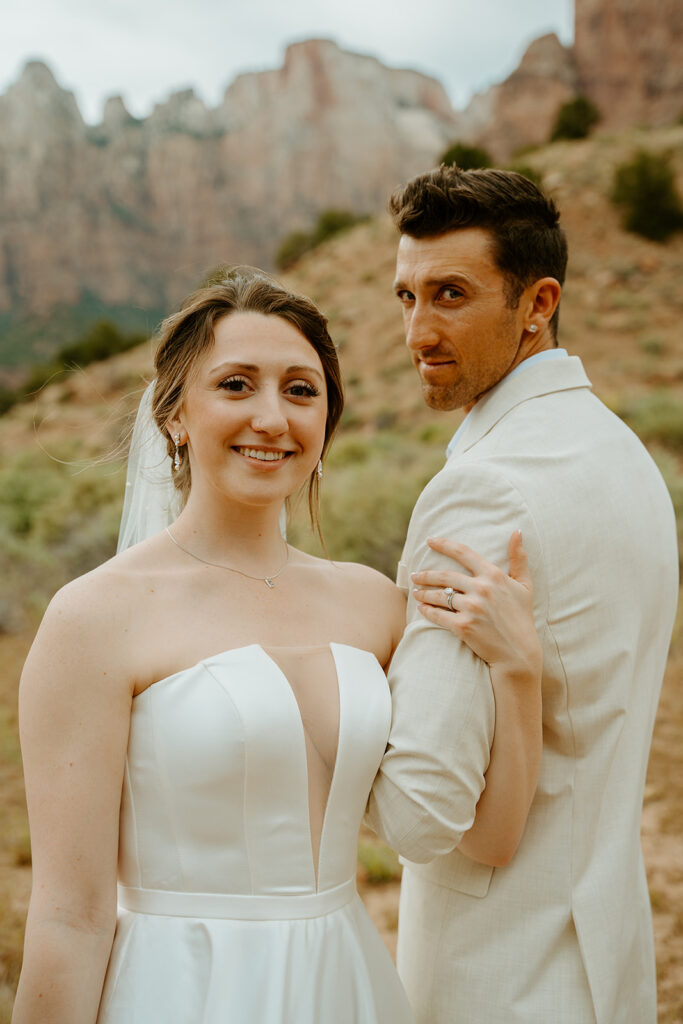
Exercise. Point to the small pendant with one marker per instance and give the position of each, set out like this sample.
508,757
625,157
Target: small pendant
268,582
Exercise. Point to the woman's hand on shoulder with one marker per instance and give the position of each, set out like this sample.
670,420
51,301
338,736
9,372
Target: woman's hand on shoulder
490,611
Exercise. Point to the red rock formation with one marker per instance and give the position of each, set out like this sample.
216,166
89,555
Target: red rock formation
135,212
629,56
521,111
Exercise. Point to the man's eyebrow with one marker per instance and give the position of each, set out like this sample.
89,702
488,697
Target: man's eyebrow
435,282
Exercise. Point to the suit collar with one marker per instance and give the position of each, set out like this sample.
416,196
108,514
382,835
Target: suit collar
542,379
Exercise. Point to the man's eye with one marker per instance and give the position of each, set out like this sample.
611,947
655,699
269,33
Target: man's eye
451,293
404,295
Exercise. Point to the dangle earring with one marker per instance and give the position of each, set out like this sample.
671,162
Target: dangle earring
319,470
176,457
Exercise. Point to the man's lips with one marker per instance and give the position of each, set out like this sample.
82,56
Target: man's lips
429,366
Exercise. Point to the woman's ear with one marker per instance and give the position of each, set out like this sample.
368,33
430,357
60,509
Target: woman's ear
174,426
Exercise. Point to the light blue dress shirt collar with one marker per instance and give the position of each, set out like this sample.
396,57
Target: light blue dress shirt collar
539,357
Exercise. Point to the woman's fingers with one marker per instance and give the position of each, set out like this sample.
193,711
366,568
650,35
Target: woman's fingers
440,617
440,597
468,558
441,578
519,563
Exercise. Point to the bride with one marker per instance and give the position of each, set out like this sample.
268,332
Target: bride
203,715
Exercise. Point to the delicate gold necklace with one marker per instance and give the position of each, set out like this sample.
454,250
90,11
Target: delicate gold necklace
268,580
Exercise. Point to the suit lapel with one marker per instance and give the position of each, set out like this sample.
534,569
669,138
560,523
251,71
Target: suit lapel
541,379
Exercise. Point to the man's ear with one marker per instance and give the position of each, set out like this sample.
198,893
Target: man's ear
543,297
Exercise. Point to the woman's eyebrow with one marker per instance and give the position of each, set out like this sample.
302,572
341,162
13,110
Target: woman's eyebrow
253,368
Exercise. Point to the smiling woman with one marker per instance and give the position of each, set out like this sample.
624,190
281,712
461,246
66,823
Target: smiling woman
204,715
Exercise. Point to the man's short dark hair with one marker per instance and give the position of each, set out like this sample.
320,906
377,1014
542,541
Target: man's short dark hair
528,242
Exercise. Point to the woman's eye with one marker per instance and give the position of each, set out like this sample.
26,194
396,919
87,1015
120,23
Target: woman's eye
303,390
234,384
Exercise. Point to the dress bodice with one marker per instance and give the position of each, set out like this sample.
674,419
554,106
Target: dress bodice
234,782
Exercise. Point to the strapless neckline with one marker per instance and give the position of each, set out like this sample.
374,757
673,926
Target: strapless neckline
331,645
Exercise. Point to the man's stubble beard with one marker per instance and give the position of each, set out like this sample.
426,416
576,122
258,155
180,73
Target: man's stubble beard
448,397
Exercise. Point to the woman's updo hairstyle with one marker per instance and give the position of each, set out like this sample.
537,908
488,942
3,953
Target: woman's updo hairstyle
186,335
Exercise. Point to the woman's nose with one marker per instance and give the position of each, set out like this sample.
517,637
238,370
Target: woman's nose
269,416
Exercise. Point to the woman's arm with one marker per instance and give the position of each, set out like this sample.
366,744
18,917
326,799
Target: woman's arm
74,713
493,614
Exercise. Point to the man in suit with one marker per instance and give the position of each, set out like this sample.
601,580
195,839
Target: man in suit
559,933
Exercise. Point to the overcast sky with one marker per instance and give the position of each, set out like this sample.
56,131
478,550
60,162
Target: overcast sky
146,49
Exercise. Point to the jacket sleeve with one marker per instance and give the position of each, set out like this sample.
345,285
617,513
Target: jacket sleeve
425,794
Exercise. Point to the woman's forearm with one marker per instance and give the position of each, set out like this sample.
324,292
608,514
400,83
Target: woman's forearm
513,771
63,972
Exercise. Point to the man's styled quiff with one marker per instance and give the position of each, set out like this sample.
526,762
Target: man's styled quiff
528,242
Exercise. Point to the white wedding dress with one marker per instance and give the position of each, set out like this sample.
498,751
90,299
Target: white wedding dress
246,779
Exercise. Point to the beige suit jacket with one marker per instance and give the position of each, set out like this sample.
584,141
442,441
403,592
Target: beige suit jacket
563,934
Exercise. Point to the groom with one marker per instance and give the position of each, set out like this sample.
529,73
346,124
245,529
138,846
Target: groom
562,933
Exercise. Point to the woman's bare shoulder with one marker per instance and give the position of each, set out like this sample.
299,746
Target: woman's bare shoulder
351,574
92,611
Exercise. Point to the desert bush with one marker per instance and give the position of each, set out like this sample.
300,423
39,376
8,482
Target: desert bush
656,418
378,863
466,157
370,486
528,172
670,469
575,118
102,340
328,224
57,521
645,189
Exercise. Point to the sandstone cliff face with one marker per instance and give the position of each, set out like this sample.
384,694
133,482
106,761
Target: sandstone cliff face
521,111
134,212
629,56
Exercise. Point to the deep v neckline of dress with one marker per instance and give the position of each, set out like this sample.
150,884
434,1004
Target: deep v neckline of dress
268,657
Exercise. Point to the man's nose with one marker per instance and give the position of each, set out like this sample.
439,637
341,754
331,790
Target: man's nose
421,329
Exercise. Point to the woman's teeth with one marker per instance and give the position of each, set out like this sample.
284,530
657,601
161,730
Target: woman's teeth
255,453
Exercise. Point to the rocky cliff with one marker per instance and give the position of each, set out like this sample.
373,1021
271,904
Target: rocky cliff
629,56
134,212
521,111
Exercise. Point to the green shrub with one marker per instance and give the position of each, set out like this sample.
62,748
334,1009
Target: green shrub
466,157
292,248
528,172
645,189
370,486
673,478
101,341
328,224
378,862
575,118
656,417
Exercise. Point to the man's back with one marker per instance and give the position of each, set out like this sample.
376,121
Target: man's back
563,932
